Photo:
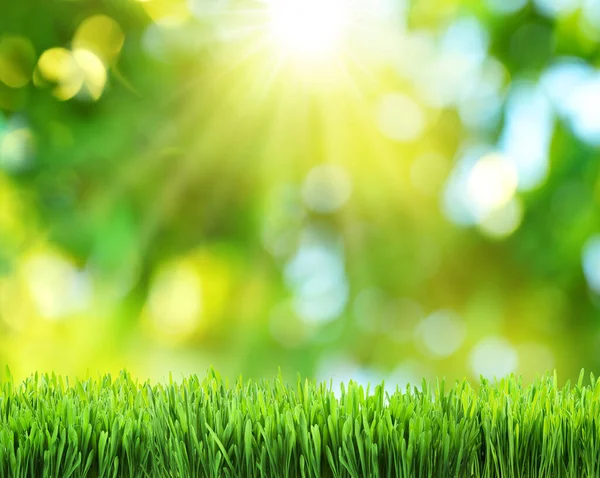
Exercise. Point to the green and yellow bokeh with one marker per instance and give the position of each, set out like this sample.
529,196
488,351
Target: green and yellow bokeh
367,189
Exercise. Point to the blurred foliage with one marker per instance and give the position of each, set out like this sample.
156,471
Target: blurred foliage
194,183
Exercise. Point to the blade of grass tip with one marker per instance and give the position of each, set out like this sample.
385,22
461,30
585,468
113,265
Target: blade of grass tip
220,445
316,439
72,464
596,394
248,442
8,376
60,450
331,461
360,445
302,466
88,464
102,458
116,467
581,378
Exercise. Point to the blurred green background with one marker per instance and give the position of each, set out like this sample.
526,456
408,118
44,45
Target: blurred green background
375,189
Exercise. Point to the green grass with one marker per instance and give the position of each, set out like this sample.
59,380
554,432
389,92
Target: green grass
52,427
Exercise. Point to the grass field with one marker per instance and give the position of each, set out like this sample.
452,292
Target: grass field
55,427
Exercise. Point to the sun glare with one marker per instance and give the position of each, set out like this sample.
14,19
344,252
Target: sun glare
307,29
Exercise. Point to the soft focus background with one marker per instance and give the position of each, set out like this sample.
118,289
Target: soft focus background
375,189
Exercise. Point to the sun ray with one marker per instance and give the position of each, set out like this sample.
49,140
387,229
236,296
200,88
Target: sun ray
300,100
